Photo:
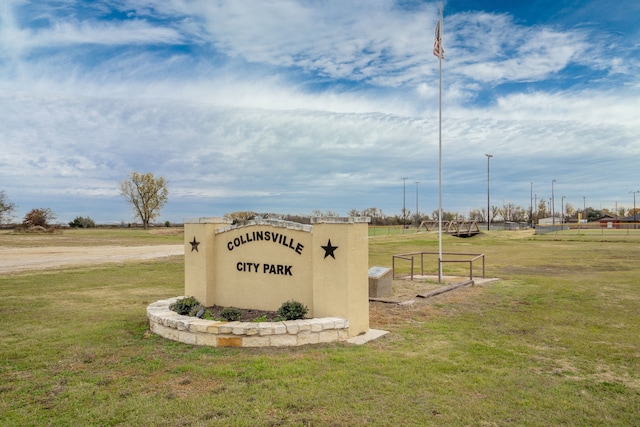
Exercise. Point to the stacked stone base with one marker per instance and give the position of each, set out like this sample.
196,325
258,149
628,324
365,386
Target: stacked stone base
192,330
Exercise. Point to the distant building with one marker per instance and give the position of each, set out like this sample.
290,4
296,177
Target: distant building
549,221
609,221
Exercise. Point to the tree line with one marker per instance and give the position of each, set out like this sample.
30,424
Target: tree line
147,195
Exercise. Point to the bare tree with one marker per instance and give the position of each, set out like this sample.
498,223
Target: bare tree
542,209
146,194
6,208
511,212
476,215
39,218
508,210
319,213
240,217
495,212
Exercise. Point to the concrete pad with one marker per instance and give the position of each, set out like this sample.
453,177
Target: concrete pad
370,335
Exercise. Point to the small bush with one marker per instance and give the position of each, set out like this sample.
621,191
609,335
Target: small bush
186,305
230,314
292,310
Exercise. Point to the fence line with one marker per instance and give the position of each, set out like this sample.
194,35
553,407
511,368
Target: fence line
592,228
389,230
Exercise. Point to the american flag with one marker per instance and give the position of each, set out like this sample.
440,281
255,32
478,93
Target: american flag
438,50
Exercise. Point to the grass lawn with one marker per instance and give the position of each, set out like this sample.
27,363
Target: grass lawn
94,237
555,342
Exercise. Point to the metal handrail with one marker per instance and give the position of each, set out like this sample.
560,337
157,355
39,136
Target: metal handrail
411,255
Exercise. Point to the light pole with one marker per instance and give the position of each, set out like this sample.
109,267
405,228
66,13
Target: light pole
553,205
531,206
489,156
404,202
562,213
417,211
634,208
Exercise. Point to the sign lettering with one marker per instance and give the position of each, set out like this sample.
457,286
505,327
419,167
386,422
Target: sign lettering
266,236
254,267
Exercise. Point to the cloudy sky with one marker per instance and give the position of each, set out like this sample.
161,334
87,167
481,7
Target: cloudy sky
289,106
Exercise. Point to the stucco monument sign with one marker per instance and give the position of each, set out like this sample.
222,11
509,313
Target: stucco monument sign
263,263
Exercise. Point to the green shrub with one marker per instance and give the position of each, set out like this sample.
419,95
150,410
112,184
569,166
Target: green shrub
186,306
292,310
230,314
82,222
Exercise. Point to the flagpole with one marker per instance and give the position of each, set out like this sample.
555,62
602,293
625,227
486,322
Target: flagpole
440,154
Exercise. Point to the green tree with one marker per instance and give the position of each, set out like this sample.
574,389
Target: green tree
592,214
39,218
146,193
6,208
81,222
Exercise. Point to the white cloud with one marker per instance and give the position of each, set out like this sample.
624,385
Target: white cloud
87,32
296,106
293,156
492,48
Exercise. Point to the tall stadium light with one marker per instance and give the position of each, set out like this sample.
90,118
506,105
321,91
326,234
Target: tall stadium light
553,205
417,211
634,208
404,202
489,156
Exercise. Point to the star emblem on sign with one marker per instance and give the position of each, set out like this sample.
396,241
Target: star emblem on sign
194,244
329,250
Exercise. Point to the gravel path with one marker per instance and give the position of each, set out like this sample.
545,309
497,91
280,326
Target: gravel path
13,260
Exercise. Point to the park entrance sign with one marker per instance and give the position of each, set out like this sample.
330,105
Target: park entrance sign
264,263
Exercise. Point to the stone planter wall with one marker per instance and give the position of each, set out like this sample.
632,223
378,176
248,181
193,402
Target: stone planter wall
192,330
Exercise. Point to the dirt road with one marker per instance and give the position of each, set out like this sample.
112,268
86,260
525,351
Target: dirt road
13,260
